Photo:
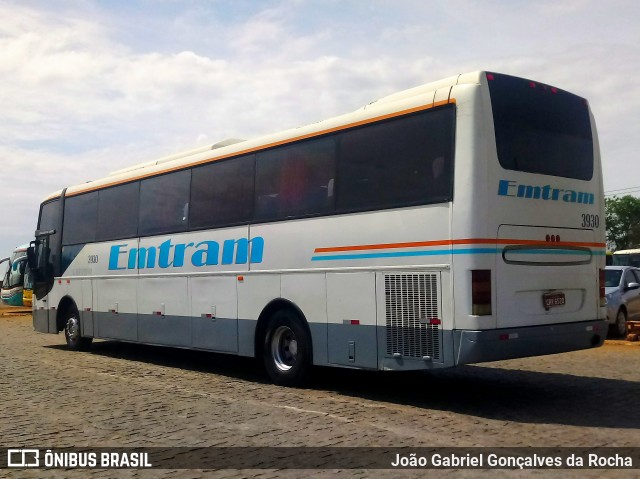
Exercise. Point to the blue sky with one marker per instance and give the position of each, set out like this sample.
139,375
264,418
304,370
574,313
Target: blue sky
88,87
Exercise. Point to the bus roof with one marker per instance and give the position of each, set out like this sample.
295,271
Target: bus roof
628,251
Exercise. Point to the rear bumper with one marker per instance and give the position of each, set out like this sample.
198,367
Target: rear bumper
498,344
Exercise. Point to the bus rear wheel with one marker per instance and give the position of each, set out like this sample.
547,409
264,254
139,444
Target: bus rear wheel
286,351
72,332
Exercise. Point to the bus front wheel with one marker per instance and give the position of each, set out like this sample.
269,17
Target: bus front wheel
72,332
287,350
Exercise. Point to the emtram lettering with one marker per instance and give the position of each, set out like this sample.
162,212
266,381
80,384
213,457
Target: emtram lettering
544,192
170,255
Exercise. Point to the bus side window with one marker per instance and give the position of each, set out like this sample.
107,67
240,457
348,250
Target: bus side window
295,181
118,212
222,193
164,203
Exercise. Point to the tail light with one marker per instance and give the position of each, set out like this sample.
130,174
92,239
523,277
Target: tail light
481,292
603,296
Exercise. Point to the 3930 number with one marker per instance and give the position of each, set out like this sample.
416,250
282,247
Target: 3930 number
590,221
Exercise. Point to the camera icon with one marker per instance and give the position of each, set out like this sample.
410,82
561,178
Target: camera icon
23,458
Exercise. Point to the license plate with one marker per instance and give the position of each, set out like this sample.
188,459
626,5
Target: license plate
553,299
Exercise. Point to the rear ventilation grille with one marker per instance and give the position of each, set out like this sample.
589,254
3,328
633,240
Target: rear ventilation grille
411,302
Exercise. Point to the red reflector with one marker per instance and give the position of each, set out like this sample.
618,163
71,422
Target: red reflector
503,337
435,321
355,321
490,76
554,90
532,84
481,292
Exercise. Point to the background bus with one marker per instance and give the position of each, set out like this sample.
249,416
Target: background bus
627,257
13,281
453,223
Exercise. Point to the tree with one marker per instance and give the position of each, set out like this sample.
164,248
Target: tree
622,215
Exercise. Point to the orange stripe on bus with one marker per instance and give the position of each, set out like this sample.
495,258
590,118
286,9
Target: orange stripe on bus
419,244
270,145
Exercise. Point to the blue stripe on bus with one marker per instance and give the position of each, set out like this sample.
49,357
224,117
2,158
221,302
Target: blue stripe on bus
404,254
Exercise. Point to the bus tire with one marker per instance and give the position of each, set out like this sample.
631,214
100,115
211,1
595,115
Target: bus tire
72,332
287,349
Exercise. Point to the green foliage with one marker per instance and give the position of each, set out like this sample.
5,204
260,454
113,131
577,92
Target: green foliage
623,222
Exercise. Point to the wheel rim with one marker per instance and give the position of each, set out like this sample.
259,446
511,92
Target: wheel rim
72,329
284,348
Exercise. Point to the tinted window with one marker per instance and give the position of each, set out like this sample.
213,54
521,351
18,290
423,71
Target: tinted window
629,277
69,253
540,129
80,215
49,216
612,278
627,259
296,180
118,212
164,203
49,246
222,193
396,163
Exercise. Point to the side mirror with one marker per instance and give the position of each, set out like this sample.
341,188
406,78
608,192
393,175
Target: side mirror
631,286
31,258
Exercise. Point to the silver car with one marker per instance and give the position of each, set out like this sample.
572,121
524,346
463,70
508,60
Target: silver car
622,286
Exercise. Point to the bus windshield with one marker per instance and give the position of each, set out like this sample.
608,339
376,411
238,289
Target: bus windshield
541,129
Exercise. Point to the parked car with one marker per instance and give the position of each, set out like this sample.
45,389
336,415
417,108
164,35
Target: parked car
622,287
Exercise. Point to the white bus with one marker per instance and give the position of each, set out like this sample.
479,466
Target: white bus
12,285
456,222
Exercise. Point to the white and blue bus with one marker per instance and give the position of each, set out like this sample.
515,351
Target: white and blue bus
12,288
457,222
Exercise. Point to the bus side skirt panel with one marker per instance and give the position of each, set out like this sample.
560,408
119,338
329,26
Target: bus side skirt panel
41,321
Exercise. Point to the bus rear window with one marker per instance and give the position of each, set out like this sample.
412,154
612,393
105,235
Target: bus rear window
540,129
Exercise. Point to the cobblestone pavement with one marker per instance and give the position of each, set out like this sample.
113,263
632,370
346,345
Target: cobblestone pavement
120,395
